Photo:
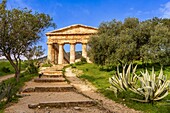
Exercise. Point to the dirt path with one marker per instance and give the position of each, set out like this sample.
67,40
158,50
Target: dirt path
5,77
87,89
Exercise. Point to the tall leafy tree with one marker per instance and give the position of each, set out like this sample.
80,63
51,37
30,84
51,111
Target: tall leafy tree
131,40
20,29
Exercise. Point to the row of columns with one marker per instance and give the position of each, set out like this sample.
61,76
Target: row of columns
60,56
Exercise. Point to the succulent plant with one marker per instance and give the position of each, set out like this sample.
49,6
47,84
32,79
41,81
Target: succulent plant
122,81
151,87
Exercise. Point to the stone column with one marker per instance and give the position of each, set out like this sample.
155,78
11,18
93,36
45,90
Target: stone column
50,53
84,50
60,54
72,53
56,56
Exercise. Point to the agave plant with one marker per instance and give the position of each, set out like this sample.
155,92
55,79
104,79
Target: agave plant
152,87
122,81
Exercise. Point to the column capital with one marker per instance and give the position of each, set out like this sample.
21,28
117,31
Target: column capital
60,43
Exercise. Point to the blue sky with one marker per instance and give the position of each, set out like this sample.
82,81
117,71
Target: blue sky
93,12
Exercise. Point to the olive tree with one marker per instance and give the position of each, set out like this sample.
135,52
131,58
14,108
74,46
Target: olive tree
20,29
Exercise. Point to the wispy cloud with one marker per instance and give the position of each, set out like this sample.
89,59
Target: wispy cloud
165,10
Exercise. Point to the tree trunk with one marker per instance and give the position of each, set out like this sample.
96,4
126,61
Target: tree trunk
15,66
17,74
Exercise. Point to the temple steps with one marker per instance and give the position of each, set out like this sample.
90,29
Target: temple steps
60,99
59,79
52,73
60,88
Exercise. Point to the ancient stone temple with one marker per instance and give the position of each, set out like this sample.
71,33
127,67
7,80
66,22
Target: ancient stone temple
68,35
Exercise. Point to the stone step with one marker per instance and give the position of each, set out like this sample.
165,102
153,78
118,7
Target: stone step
60,79
60,88
59,104
52,73
57,99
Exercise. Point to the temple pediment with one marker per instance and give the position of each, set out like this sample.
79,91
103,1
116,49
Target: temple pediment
74,29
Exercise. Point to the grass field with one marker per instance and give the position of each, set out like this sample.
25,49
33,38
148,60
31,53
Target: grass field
6,68
99,79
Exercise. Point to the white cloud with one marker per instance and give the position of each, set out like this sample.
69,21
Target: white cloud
165,9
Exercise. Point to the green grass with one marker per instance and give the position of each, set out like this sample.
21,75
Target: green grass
24,77
99,79
6,64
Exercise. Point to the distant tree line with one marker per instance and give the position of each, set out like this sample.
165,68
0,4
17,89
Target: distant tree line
131,40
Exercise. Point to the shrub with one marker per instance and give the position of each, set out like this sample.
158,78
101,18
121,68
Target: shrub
122,81
32,68
83,60
5,69
151,87
6,92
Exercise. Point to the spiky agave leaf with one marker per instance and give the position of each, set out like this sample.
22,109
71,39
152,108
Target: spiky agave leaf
152,88
122,81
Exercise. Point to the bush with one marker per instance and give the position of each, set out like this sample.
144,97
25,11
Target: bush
151,87
6,92
32,68
83,60
146,85
122,81
9,89
5,69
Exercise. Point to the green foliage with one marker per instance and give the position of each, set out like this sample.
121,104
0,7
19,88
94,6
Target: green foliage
6,65
5,69
83,60
32,68
19,30
46,65
131,40
107,67
34,52
124,80
73,65
151,87
9,88
6,92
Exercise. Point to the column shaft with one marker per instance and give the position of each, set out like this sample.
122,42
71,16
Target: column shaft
72,53
50,53
84,50
60,54
56,56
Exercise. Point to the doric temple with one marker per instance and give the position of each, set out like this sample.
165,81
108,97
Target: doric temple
68,35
